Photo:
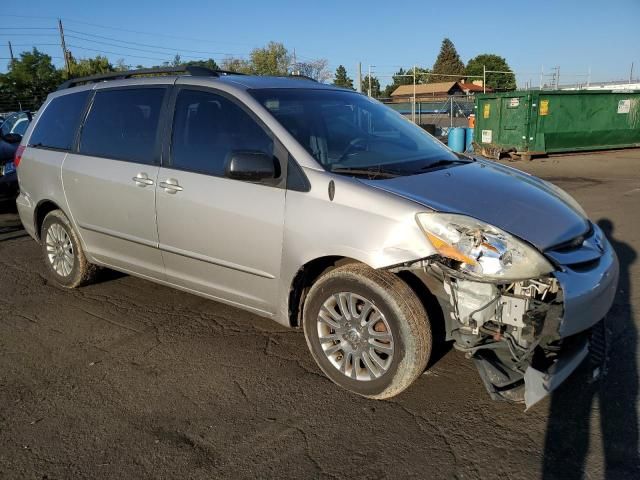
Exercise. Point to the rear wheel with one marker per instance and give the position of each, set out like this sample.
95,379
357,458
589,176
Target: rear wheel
367,330
63,255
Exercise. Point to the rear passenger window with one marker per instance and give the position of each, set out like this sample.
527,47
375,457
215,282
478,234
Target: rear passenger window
207,127
58,123
123,125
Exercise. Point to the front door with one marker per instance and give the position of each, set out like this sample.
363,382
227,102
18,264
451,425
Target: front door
219,236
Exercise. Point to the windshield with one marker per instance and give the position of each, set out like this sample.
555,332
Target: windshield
350,133
8,124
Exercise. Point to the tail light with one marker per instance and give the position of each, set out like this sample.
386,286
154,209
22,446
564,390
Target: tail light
18,156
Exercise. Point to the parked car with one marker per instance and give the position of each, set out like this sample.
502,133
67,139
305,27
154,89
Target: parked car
11,132
321,209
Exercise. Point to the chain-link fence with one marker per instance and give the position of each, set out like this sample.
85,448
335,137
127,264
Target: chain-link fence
439,115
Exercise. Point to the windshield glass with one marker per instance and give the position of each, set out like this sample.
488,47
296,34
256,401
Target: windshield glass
350,133
8,124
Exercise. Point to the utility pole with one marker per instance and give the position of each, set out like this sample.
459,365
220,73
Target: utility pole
413,106
484,79
360,77
295,63
630,73
541,76
13,58
558,77
369,82
65,53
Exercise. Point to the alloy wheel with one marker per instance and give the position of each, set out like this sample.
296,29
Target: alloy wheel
355,336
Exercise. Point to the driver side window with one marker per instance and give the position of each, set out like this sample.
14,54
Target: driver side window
207,127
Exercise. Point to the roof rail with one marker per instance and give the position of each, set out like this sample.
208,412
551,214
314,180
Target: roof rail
193,70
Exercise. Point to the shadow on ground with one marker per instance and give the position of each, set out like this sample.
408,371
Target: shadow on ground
616,392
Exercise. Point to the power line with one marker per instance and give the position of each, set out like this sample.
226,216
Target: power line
29,34
146,44
167,51
27,28
118,53
155,34
35,44
9,58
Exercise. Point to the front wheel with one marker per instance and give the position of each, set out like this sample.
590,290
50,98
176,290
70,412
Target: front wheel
367,330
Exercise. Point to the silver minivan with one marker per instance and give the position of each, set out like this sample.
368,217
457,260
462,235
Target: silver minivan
324,210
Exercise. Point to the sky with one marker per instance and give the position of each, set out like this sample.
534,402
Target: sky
578,36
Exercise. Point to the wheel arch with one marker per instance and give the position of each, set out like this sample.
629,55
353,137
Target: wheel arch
43,208
312,270
305,277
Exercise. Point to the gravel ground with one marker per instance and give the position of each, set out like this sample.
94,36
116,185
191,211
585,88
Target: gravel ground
128,379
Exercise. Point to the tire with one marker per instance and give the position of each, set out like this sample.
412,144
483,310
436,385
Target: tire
390,317
58,240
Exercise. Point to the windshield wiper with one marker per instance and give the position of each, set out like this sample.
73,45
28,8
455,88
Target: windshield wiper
443,163
370,173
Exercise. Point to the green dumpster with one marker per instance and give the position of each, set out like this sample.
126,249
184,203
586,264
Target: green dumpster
529,123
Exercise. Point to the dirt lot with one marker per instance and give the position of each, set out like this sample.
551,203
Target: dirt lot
128,379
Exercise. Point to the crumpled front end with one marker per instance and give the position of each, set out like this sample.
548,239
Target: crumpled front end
527,337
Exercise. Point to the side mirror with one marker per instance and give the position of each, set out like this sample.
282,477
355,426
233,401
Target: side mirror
12,138
251,166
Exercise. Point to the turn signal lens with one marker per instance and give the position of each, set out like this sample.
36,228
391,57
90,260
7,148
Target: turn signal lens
449,251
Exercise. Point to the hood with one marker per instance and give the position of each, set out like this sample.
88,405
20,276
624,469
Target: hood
516,202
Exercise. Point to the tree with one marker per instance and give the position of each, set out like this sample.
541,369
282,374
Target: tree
341,79
209,63
85,67
375,86
120,66
447,63
28,81
497,81
274,59
316,69
239,65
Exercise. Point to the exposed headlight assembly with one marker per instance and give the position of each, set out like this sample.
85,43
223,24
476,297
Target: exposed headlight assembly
482,251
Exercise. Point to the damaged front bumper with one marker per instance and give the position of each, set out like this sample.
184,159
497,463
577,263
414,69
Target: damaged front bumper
527,337
589,289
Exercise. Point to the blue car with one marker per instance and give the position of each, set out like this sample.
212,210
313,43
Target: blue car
11,132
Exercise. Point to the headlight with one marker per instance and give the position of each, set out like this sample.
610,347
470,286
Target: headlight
8,168
480,250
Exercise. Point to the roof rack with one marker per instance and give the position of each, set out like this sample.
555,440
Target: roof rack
193,70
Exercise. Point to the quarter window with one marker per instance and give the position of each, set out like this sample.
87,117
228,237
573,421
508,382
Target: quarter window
207,127
59,122
123,124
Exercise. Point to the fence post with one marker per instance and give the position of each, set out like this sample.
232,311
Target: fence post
451,112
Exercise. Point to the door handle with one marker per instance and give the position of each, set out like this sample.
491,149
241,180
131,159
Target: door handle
142,179
171,186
